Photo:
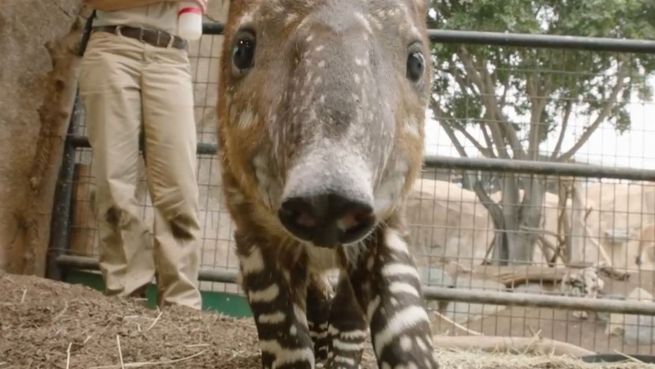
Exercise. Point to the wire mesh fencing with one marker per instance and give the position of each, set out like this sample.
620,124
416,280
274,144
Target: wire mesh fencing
497,231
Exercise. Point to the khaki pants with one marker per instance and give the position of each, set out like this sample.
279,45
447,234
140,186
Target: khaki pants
130,88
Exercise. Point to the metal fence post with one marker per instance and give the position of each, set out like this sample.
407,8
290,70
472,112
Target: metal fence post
61,214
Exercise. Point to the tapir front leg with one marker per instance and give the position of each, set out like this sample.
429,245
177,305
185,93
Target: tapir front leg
319,297
347,330
388,285
277,300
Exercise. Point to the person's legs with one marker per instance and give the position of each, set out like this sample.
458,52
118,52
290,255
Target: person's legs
170,138
110,92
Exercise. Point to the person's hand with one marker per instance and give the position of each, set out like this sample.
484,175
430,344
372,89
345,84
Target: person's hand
201,3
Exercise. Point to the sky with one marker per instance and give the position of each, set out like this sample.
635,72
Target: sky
634,148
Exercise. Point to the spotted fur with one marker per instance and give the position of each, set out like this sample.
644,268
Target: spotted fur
328,110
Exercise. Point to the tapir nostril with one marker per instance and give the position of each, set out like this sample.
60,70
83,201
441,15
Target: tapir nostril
356,223
326,220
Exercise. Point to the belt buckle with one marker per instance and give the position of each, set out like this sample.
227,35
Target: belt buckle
141,32
118,31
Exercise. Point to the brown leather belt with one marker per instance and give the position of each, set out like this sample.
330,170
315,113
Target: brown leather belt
151,37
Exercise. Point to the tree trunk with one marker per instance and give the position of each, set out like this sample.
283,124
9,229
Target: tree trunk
514,242
576,253
509,204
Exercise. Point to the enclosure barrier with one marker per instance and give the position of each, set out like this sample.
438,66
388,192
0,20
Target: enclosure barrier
517,39
59,261
442,293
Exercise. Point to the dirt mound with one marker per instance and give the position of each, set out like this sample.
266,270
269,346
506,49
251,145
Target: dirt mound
47,324
39,319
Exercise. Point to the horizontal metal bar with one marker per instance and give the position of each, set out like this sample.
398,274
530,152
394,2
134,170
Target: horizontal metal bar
518,40
89,263
83,142
212,28
538,167
537,300
542,41
491,165
446,294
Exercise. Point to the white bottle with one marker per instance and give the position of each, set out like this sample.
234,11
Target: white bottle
189,21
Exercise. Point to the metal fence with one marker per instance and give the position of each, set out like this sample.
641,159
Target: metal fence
591,275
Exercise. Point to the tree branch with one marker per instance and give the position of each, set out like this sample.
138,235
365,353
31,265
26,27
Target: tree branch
441,114
538,103
487,139
495,211
509,130
465,85
565,125
604,113
501,130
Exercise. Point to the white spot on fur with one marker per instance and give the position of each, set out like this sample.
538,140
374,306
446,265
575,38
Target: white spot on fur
246,18
399,322
351,335
372,307
394,242
399,269
402,287
347,346
266,295
253,263
301,317
406,343
362,19
272,318
247,118
290,18
284,356
345,360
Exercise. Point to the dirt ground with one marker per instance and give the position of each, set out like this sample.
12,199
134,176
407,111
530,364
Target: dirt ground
47,324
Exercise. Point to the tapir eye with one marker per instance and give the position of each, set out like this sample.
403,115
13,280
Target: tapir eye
243,51
415,66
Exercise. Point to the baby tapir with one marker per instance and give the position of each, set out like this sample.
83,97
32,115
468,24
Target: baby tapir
321,109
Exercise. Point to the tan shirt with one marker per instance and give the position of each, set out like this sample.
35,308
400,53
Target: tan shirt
160,16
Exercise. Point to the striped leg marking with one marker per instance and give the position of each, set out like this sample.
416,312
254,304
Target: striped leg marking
346,348
348,328
400,326
319,295
277,304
